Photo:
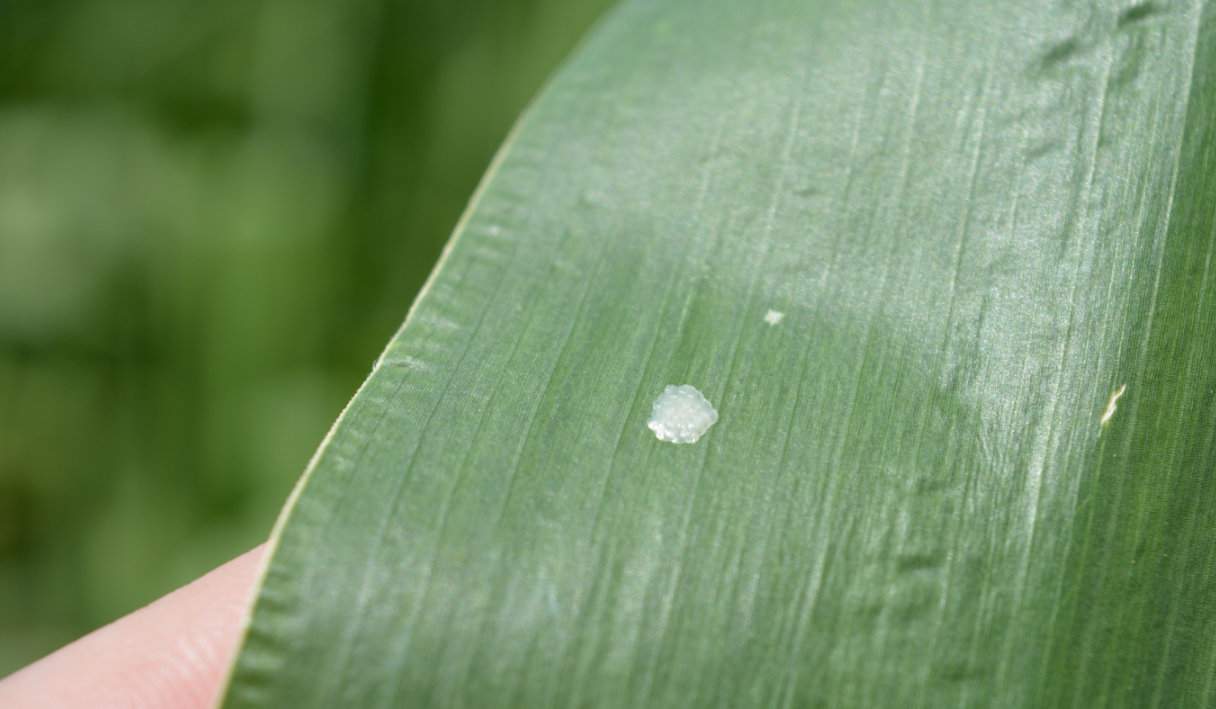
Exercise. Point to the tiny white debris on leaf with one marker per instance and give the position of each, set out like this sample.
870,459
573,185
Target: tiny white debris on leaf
1112,405
773,317
681,414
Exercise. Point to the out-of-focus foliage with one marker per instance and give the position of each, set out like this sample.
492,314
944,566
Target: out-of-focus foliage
212,216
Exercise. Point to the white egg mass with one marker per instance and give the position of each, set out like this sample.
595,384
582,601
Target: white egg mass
681,414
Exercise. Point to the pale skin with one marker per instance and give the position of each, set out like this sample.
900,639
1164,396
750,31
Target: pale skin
173,653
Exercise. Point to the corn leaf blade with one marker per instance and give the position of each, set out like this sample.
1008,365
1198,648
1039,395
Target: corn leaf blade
971,464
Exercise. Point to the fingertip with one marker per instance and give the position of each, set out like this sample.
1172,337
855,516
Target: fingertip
174,652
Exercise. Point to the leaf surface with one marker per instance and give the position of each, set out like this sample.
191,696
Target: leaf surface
979,220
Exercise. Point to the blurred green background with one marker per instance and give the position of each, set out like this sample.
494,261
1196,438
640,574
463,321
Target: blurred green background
212,217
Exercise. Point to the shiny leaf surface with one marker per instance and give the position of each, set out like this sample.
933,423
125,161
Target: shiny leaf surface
979,221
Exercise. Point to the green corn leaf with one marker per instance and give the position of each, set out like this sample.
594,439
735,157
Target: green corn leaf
973,464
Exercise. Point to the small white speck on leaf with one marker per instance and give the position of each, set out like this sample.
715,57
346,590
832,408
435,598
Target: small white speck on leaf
1112,405
774,317
681,414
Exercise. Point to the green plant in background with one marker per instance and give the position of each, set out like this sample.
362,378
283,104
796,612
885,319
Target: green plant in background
211,217
971,465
